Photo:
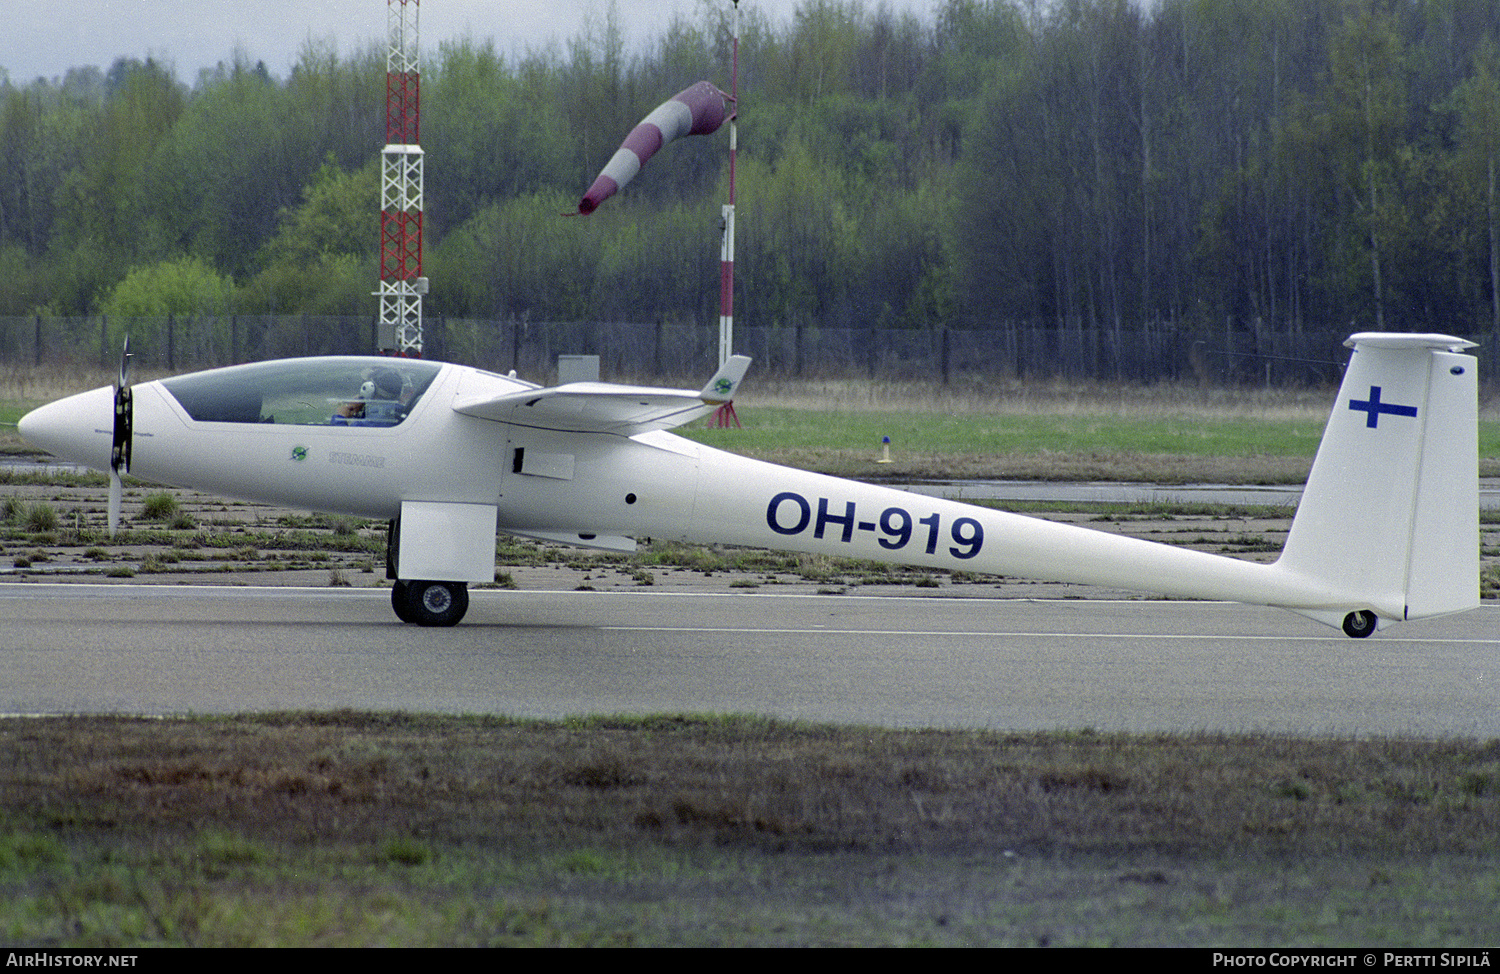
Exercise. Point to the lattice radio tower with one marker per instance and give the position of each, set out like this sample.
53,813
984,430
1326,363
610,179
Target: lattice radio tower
401,282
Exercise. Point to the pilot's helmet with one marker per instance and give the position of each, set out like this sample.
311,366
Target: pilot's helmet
366,391
383,384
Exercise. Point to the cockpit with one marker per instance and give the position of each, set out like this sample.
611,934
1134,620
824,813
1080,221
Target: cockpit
333,391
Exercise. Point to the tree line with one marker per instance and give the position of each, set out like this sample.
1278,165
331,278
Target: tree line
1203,165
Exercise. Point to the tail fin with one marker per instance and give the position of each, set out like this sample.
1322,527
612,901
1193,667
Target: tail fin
725,382
1391,507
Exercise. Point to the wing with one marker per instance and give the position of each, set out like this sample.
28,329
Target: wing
602,407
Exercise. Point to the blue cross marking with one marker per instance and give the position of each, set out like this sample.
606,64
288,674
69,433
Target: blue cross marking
1373,407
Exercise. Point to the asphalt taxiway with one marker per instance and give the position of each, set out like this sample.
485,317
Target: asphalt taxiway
892,661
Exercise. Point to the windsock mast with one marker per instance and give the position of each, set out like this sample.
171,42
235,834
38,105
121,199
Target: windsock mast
726,414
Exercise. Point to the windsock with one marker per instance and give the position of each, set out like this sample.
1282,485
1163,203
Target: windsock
698,110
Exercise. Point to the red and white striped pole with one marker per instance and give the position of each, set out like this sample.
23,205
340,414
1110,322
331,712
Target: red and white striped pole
726,247
725,414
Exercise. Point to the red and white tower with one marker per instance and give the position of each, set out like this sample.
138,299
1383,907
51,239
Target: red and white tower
401,282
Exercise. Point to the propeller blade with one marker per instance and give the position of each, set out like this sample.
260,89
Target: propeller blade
119,451
124,365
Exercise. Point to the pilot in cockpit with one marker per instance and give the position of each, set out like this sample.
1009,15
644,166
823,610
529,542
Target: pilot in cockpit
382,401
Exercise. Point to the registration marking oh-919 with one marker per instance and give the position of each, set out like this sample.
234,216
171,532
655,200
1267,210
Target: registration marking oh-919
789,514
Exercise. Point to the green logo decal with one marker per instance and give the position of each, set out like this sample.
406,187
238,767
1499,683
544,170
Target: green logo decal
723,387
299,453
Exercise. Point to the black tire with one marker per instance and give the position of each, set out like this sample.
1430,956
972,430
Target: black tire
436,603
400,595
1358,625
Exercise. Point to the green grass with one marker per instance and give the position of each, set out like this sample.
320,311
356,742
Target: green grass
775,429
1068,445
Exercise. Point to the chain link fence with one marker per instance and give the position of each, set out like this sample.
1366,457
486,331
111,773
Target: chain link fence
634,352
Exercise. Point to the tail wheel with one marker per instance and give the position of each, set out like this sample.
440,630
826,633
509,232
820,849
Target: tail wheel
432,603
1358,625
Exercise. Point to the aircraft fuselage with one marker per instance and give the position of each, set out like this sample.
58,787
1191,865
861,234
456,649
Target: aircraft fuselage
449,454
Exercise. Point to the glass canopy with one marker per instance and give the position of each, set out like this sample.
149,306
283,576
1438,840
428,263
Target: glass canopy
335,391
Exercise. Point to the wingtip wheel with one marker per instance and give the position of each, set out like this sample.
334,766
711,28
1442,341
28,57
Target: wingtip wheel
1359,625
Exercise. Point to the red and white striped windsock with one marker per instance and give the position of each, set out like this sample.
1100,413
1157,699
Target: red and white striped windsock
698,110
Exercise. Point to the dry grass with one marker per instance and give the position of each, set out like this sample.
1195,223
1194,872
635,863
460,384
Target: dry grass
1055,397
969,396
704,830
1047,465
34,385
345,777
1108,457
55,528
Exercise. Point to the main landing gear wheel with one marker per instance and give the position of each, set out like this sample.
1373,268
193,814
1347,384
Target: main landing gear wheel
430,603
399,595
1358,625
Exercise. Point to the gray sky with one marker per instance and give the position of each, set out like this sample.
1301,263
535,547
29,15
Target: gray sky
46,37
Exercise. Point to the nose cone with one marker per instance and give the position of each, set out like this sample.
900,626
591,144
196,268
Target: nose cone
79,428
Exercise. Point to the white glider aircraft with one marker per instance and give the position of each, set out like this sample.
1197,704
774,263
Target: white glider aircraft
1387,528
